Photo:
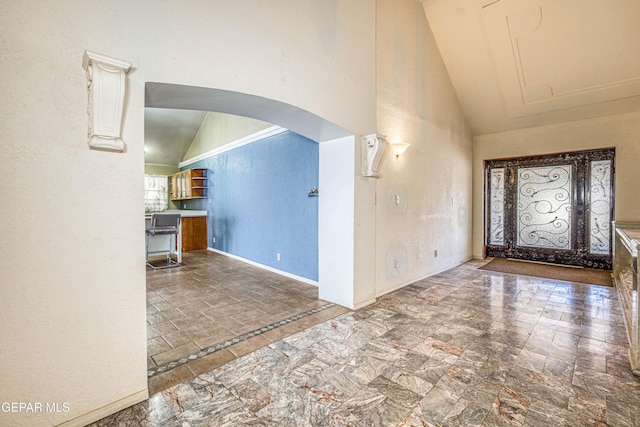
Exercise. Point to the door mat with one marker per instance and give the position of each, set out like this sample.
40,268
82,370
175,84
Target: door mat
557,272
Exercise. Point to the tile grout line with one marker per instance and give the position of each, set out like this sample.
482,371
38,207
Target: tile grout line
240,338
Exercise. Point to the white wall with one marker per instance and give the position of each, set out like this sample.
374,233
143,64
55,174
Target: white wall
336,203
72,299
619,131
417,105
346,225
364,233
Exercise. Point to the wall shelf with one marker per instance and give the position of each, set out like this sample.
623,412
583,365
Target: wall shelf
189,184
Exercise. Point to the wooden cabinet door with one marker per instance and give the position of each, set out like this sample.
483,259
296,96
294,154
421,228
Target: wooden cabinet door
187,183
194,233
175,195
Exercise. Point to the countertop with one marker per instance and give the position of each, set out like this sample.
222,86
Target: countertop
630,237
186,213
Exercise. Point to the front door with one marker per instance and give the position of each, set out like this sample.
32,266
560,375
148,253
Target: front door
556,208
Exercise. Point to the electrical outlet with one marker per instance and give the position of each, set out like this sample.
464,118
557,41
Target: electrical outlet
278,256
396,263
435,253
214,240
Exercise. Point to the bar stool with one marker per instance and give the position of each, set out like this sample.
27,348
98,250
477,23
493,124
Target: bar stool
164,225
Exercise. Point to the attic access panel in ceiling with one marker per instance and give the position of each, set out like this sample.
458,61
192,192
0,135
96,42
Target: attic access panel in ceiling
558,54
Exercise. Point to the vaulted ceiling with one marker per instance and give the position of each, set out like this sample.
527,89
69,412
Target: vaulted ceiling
513,63
168,133
523,63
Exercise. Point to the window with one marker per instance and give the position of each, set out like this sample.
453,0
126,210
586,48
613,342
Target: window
156,193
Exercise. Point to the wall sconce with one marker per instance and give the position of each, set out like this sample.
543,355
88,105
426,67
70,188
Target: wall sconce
106,84
399,148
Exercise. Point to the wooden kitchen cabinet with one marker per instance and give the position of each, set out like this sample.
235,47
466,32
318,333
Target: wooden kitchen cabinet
175,193
194,233
189,184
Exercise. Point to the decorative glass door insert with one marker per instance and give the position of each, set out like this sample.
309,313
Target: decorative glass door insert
601,206
555,208
544,207
496,205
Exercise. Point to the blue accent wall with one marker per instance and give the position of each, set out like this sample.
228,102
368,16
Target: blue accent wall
258,203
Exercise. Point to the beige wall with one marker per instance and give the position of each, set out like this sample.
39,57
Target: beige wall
73,295
620,131
417,104
218,129
160,169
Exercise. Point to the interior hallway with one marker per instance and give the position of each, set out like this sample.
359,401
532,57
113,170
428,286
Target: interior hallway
465,347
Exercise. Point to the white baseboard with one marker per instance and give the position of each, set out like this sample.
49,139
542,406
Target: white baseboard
105,411
364,303
266,267
412,281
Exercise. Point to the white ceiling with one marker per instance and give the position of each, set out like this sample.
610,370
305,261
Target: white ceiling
523,63
168,133
513,63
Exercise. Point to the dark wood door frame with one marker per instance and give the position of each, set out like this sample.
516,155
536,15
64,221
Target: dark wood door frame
579,253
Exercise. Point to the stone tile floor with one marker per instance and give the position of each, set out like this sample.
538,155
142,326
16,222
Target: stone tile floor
463,348
212,299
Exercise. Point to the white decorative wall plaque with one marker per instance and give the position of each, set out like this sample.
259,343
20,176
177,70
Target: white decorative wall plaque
106,84
373,148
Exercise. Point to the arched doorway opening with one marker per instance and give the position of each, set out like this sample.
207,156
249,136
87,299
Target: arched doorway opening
337,163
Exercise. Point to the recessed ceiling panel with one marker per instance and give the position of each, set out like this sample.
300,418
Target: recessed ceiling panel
558,54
